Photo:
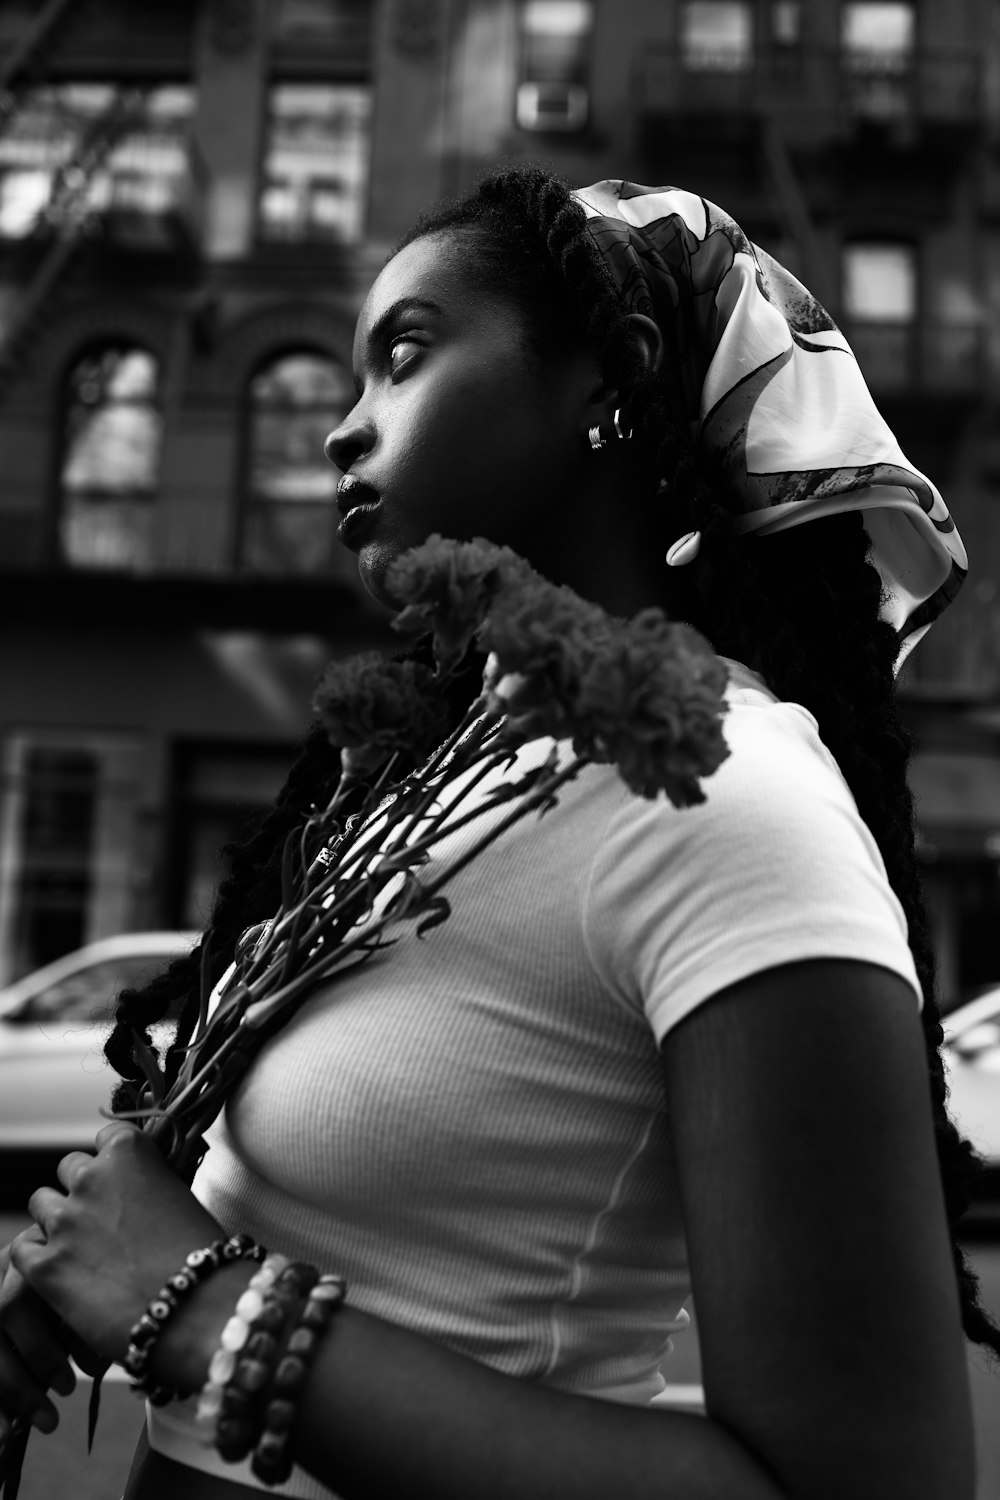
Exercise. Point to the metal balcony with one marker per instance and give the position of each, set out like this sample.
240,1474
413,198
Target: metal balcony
148,195
838,91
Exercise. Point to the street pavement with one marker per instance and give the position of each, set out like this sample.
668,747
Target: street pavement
58,1467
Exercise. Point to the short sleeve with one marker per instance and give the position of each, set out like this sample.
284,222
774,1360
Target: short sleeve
776,866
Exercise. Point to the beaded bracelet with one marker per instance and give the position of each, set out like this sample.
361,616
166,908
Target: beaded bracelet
271,1461
144,1333
242,1365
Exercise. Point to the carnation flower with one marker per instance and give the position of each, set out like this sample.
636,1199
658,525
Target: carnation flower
652,702
447,587
541,639
370,706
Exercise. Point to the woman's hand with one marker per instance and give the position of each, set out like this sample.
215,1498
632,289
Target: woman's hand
99,1250
35,1351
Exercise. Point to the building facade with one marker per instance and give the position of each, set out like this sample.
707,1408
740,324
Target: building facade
191,209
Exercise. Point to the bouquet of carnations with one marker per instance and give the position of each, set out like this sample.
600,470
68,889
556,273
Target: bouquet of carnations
643,694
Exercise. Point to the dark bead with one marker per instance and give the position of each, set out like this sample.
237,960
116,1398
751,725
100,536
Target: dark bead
315,1315
302,1342
236,1403
271,1461
233,1438
182,1282
289,1377
280,1416
271,1318
260,1345
251,1375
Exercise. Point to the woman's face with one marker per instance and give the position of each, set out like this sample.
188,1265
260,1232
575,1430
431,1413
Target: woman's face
460,427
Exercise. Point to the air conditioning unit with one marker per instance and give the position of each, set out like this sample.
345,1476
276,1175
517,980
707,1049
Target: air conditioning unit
552,106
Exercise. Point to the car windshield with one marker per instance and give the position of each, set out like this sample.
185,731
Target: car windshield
87,996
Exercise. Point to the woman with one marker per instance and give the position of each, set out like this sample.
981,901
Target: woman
652,1051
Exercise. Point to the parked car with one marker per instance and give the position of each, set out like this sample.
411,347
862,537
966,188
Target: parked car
972,1065
54,1080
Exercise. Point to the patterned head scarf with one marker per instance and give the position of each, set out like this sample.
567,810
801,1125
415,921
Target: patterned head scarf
768,384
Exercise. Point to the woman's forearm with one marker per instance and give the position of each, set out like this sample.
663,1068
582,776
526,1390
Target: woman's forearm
387,1412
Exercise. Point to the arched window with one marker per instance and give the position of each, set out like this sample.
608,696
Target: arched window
290,519
110,458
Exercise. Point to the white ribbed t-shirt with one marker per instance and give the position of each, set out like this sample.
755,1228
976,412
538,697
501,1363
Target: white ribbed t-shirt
471,1126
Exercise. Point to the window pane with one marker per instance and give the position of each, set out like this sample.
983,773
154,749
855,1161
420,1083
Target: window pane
786,23
716,36
111,457
290,524
47,133
309,18
57,833
878,36
557,17
880,283
87,996
316,162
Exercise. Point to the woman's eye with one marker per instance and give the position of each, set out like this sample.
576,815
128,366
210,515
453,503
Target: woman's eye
401,351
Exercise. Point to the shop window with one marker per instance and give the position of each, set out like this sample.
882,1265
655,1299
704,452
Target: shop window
716,36
68,817
290,518
553,92
109,471
52,129
315,171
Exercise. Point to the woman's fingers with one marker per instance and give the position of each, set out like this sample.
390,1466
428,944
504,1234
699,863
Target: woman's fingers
70,1168
31,1357
42,1342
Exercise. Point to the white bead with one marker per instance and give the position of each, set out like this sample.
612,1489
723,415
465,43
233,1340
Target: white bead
210,1401
250,1306
235,1334
222,1367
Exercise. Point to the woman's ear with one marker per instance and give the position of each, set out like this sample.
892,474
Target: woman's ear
646,339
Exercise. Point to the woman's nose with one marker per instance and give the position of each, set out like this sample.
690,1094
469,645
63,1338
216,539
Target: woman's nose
347,442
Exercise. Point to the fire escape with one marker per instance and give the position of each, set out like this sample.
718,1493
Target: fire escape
89,203
804,143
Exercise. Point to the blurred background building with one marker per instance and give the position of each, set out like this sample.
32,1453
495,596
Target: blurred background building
194,197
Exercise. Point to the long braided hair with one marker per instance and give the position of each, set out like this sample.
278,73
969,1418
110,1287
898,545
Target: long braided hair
801,607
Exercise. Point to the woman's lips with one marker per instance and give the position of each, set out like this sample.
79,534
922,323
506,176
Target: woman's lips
352,492
357,502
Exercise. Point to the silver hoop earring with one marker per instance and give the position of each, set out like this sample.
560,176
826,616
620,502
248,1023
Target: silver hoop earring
596,441
625,436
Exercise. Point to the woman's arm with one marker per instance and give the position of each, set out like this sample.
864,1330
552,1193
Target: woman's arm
833,1357
827,1304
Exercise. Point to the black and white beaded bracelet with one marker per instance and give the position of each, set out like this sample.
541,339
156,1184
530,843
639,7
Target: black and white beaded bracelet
144,1333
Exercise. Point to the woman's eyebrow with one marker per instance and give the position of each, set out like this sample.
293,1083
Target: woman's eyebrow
385,320
394,310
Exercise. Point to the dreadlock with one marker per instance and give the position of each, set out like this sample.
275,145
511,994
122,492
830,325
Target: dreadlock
249,893
802,608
